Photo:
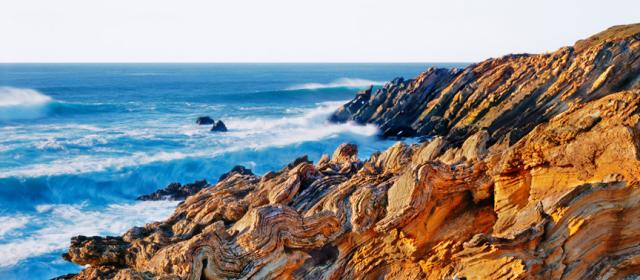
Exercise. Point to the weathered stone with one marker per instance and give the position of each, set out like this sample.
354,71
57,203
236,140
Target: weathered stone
204,120
175,191
536,176
219,127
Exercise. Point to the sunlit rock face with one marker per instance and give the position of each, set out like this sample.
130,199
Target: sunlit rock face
533,173
506,96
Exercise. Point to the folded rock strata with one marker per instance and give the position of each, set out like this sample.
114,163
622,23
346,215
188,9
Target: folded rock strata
533,172
507,96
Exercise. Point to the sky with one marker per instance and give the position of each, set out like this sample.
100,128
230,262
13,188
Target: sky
297,30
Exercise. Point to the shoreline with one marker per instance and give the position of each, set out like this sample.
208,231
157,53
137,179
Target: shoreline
526,154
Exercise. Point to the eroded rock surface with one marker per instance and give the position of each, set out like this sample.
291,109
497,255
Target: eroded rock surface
534,173
506,96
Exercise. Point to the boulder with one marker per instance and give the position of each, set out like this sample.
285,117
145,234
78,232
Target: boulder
219,127
238,169
204,120
175,191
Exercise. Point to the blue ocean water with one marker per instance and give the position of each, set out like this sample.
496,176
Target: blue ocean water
78,142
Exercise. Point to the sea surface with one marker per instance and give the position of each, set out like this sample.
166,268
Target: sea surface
79,142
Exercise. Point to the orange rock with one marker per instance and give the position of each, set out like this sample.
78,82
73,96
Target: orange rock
535,176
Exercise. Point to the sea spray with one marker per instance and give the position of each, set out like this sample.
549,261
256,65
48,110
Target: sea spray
22,103
339,83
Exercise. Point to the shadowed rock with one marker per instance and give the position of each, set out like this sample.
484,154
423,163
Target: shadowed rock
205,120
238,169
219,127
175,191
549,190
506,96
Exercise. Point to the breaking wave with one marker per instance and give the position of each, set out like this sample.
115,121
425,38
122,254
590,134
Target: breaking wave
339,83
18,103
244,134
26,104
55,224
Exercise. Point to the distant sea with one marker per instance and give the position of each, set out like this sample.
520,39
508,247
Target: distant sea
79,142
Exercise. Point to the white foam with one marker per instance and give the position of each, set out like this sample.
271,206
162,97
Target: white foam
57,223
244,133
22,103
88,163
12,223
311,125
342,82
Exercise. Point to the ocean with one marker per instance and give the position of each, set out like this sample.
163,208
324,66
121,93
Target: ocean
79,142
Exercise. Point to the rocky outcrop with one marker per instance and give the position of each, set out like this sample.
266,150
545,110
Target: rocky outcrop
175,191
238,169
552,198
506,96
204,120
219,127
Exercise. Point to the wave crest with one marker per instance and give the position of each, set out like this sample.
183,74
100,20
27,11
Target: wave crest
27,104
309,125
21,103
339,83
54,225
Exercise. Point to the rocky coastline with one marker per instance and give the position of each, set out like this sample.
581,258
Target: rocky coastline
531,171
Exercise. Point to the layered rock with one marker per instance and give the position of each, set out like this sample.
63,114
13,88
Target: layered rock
527,177
506,96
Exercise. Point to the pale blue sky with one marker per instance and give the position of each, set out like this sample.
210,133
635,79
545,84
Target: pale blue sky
296,30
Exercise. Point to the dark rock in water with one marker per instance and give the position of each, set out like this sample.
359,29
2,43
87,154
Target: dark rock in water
205,120
238,169
219,127
175,191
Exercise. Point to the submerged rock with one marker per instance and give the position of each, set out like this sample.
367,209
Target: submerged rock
219,127
175,191
557,200
204,120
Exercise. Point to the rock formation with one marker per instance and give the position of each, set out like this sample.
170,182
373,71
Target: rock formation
219,127
238,169
175,191
204,120
507,96
531,171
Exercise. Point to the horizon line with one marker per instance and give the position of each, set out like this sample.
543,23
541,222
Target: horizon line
234,62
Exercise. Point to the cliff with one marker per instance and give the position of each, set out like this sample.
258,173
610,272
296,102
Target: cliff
531,172
507,96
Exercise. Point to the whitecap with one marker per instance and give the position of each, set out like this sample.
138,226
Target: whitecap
49,144
57,223
12,223
244,133
22,103
339,83
88,163
311,125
